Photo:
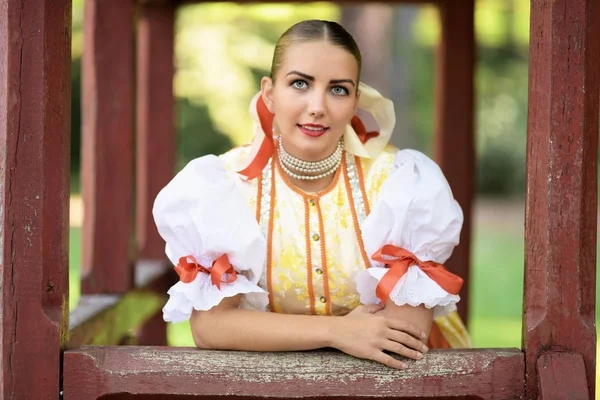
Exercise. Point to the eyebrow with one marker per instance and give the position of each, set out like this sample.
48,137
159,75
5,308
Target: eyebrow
312,78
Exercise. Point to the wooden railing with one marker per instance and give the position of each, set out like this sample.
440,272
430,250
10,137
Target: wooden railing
557,360
91,372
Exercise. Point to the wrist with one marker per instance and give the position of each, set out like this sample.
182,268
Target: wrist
331,331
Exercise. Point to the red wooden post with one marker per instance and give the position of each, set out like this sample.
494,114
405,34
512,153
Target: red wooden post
560,225
35,104
155,127
107,146
155,137
454,146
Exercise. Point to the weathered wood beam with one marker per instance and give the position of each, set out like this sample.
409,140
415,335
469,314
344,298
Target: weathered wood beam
155,156
571,368
104,319
95,371
35,111
561,205
454,136
107,146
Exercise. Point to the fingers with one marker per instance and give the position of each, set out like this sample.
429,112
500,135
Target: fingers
401,350
390,361
404,326
407,340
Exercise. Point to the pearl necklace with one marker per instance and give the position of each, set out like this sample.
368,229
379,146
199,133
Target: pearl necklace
305,169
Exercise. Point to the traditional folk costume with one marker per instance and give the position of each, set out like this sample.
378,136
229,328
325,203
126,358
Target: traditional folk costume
379,232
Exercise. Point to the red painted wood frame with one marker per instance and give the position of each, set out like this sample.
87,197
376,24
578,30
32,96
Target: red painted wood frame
560,239
561,208
155,153
107,146
454,148
35,111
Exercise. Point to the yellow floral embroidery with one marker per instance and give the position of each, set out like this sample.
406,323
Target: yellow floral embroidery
292,274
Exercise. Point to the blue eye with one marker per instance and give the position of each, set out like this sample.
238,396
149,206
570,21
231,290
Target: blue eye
299,84
340,91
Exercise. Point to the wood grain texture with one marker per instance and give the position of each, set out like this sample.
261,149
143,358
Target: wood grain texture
35,111
454,148
107,146
562,376
560,219
95,371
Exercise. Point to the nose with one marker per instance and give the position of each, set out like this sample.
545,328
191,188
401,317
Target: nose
316,104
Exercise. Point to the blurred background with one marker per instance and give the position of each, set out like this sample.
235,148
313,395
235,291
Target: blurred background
223,49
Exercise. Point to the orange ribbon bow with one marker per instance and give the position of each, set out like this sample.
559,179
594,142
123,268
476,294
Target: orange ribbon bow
399,264
267,147
188,271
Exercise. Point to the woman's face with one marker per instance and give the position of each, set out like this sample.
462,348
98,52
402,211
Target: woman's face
313,98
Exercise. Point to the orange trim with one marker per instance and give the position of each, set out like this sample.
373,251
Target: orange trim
357,230
270,240
267,148
258,199
311,290
398,260
188,271
324,260
301,192
361,181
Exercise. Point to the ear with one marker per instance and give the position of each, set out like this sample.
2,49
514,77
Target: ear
266,92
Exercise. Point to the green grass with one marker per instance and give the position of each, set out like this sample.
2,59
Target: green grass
496,288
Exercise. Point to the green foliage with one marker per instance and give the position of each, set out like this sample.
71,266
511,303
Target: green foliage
196,134
502,82
222,50
500,112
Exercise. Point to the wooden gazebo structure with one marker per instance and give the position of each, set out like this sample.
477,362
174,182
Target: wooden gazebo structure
46,354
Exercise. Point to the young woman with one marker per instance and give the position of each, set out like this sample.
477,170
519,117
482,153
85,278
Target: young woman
318,234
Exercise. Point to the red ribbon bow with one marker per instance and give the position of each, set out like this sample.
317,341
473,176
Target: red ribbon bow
267,147
188,271
399,264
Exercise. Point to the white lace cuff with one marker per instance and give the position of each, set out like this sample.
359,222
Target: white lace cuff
202,295
414,288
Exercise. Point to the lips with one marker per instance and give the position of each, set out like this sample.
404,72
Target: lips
313,130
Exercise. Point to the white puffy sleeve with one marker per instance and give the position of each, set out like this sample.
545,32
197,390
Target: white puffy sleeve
202,216
415,211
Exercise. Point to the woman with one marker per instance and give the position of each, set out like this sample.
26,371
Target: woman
338,234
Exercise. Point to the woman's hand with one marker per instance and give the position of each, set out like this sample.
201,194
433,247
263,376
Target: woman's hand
364,334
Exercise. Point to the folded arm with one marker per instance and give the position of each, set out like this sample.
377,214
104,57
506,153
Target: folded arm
361,333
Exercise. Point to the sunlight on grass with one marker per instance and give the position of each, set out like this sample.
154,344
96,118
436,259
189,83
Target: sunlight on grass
495,332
